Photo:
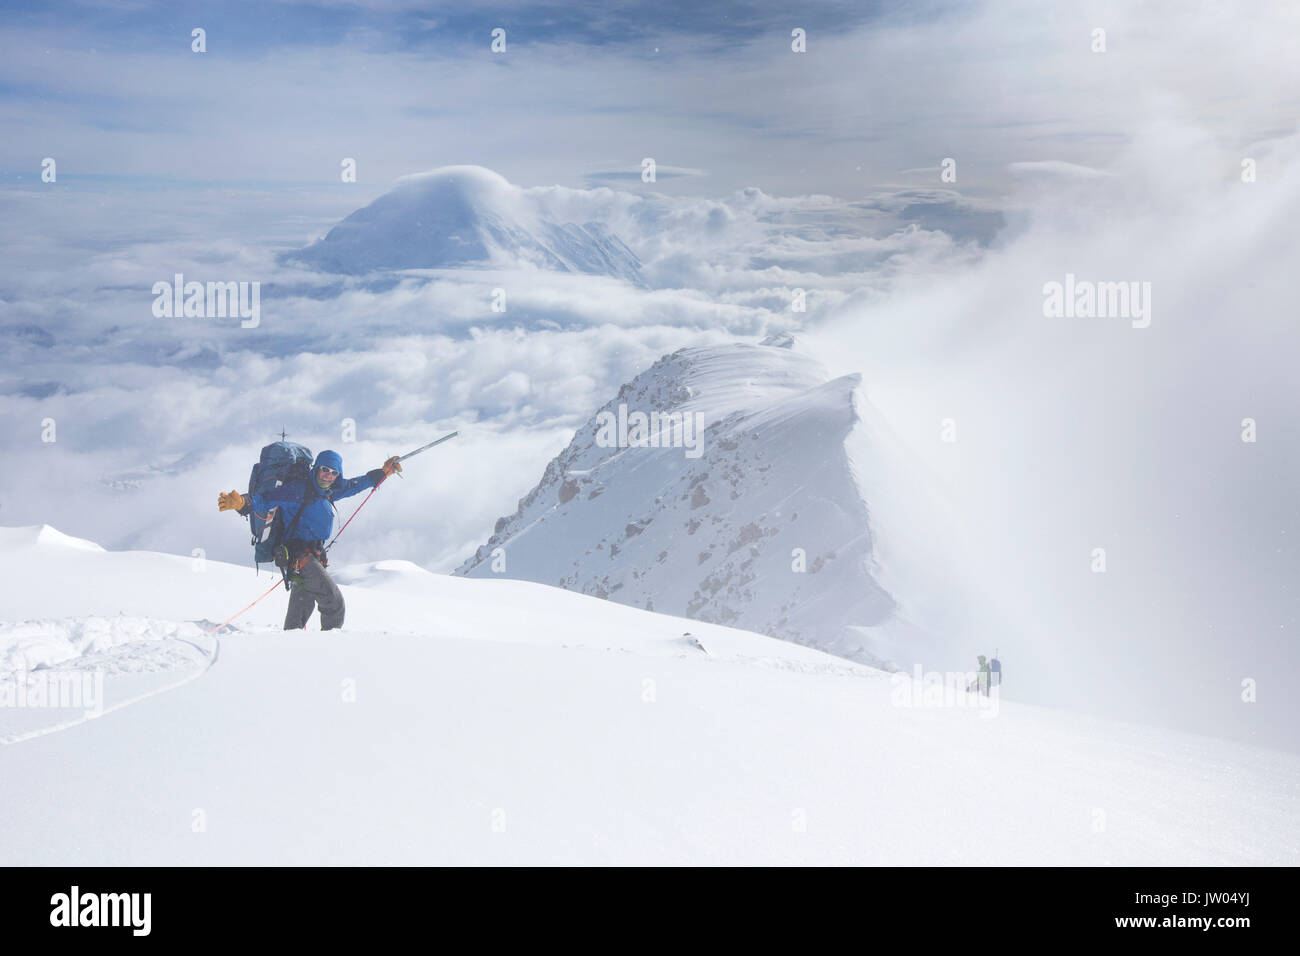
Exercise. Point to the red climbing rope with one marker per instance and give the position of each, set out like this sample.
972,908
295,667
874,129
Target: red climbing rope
232,617
354,514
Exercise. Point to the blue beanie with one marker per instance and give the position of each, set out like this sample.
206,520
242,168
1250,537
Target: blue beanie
330,459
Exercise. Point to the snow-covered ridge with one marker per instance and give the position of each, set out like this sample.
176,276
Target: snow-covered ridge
459,216
767,529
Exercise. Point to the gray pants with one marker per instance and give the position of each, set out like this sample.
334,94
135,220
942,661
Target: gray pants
317,587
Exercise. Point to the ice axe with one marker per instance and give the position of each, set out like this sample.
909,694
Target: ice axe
436,441
411,454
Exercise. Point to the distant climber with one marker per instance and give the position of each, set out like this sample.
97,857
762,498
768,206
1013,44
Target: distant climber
981,682
995,670
303,522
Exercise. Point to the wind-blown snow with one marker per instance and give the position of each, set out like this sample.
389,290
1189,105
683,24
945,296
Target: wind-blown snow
505,722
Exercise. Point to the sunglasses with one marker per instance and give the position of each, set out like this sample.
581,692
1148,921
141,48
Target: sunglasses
327,472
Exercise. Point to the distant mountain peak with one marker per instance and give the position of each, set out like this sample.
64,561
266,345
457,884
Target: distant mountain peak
466,216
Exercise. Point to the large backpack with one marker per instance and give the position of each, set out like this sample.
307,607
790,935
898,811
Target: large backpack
280,462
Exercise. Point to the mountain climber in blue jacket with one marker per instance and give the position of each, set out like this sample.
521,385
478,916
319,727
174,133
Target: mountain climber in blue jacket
307,510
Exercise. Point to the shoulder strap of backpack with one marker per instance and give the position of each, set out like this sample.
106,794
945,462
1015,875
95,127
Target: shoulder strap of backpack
293,525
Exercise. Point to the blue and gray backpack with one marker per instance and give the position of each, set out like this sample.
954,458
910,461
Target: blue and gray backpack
280,462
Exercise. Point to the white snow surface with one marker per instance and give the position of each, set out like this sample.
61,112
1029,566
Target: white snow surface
496,721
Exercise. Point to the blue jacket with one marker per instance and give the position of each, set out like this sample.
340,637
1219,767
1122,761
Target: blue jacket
317,519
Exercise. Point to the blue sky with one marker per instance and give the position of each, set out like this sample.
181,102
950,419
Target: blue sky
448,27
582,93
585,90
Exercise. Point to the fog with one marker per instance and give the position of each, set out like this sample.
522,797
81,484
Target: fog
1075,434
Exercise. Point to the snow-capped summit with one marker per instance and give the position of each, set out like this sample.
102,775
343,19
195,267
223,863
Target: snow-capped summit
458,216
738,502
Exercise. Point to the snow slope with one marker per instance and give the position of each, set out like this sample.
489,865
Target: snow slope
458,216
768,529
499,721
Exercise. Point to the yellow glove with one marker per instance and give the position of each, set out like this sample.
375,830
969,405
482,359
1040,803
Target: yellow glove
391,466
230,501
